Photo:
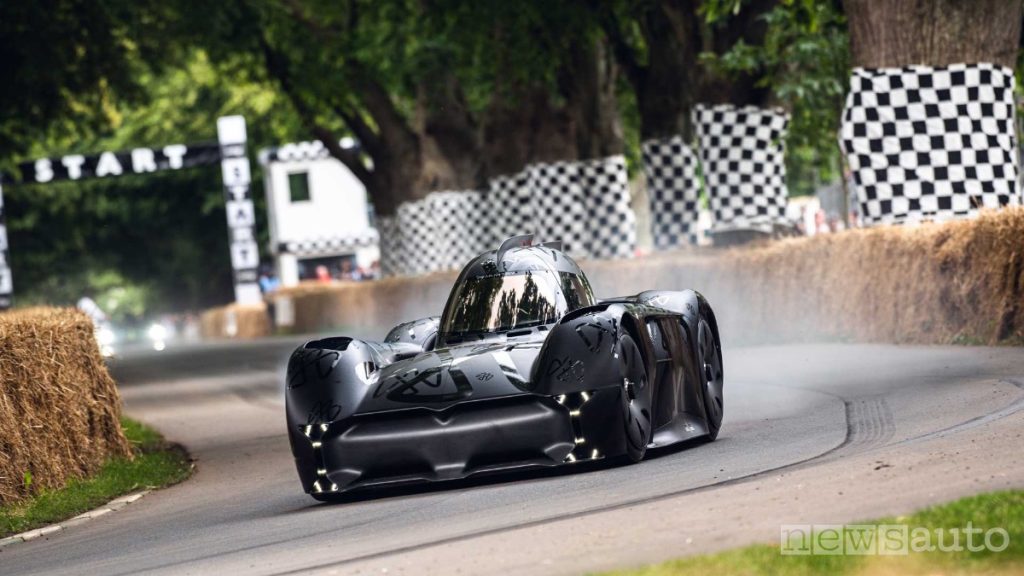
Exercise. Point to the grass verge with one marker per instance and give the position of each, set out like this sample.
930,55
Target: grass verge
987,511
156,464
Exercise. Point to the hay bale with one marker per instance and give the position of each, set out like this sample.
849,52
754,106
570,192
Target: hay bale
235,321
59,408
376,305
960,281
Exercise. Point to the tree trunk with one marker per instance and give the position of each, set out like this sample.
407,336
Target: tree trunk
896,33
588,83
749,26
673,80
449,136
526,129
534,125
667,89
438,149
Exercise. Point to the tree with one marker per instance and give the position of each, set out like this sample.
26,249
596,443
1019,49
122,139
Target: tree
894,33
659,45
542,78
802,63
67,63
419,85
159,240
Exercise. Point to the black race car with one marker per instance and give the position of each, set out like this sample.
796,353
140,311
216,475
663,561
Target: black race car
523,369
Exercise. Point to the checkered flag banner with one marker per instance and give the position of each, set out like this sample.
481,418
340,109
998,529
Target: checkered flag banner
439,232
742,154
314,247
419,238
673,190
459,235
508,207
392,261
559,205
585,205
928,143
302,151
610,221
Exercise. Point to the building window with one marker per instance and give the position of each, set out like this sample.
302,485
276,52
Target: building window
298,186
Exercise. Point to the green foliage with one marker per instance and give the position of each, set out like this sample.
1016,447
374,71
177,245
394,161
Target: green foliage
148,243
69,63
155,464
804,60
995,510
503,48
715,11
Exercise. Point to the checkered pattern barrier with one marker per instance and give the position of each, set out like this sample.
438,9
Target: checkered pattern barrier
459,235
673,190
509,209
741,152
610,224
931,143
392,259
559,206
302,151
327,246
417,228
586,205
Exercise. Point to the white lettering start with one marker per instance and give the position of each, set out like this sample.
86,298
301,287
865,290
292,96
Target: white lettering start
143,160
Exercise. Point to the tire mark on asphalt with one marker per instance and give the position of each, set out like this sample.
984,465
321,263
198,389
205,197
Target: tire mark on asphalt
872,426
869,423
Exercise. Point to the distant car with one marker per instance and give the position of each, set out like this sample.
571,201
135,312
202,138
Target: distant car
522,369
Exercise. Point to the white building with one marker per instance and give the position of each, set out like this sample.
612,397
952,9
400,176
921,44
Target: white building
318,213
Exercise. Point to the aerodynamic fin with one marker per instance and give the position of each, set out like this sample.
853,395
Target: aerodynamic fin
513,242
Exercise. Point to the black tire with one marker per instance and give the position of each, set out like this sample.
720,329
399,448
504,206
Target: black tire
636,399
712,376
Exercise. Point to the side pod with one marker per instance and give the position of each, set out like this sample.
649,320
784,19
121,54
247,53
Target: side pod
581,352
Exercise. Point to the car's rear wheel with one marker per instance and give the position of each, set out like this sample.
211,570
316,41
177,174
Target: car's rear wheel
636,398
709,364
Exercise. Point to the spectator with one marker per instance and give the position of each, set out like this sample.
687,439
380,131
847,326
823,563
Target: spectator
346,270
323,274
820,222
269,283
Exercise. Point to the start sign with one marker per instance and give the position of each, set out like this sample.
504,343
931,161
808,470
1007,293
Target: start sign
107,164
229,150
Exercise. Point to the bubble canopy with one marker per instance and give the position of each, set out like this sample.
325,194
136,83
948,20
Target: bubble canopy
501,302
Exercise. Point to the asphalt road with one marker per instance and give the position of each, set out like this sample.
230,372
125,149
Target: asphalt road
790,410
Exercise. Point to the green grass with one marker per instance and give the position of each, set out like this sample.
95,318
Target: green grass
995,510
156,464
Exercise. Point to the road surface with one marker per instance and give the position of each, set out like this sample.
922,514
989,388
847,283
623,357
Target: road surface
813,433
